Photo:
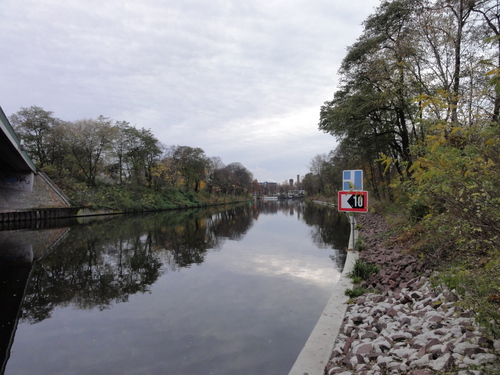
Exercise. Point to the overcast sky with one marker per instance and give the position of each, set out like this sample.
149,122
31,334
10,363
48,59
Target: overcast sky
243,80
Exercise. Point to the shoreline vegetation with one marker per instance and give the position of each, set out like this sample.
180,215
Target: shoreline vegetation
107,164
470,273
428,324
115,199
432,318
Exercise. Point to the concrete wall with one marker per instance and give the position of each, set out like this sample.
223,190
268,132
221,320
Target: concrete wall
44,195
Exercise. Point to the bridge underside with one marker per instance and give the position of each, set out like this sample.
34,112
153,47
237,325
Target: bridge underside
10,160
17,170
12,157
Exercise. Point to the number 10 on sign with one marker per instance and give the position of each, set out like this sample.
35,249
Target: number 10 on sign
353,201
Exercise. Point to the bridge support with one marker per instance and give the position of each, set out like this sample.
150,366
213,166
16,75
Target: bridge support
18,181
44,202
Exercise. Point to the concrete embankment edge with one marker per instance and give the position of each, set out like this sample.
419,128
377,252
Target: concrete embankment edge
318,348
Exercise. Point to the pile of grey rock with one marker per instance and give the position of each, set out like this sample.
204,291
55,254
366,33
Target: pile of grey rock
407,326
413,330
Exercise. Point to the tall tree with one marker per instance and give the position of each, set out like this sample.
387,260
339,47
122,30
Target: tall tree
121,148
236,179
452,38
490,12
89,140
143,151
191,163
34,127
214,178
374,105
318,167
460,9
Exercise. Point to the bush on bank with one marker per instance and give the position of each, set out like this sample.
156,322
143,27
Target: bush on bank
135,199
448,213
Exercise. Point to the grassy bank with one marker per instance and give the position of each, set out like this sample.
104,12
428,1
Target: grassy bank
128,199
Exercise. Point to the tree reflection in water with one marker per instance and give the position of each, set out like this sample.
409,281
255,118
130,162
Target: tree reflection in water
105,262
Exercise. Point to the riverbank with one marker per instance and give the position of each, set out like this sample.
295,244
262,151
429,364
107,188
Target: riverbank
102,204
408,326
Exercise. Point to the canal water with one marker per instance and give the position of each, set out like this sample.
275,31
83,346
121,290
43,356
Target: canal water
233,290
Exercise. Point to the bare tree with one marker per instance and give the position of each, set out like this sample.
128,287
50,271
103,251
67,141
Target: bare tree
89,140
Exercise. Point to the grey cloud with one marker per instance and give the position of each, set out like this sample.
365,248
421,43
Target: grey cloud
236,78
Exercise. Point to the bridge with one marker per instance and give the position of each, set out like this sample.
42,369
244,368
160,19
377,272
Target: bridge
14,161
25,192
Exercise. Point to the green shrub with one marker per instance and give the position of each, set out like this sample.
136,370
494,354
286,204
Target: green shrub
363,270
356,292
479,291
360,244
356,279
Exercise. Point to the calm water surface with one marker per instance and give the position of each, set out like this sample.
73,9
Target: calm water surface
220,291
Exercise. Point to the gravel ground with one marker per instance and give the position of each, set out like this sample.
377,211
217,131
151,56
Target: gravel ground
409,327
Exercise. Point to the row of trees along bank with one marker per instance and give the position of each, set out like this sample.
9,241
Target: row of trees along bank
418,110
112,164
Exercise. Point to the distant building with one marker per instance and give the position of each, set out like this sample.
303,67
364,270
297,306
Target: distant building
268,188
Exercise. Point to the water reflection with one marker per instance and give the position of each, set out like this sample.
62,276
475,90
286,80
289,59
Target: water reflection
103,263
328,227
17,251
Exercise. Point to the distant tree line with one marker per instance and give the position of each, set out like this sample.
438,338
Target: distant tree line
90,153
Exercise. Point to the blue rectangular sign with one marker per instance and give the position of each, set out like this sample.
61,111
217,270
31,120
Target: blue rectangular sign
352,180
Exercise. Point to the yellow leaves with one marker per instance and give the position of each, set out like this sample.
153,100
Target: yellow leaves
491,142
458,182
386,161
494,72
440,100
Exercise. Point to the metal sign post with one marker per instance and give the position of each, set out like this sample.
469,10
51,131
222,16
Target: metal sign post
353,232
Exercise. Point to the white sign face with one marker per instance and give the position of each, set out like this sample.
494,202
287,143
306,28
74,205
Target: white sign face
352,180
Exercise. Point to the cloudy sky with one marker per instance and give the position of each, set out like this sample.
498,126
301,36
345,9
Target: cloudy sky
242,79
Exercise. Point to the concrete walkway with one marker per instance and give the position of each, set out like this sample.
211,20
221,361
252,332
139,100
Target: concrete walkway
318,348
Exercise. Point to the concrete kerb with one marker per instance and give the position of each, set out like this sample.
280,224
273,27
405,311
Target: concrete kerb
316,352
